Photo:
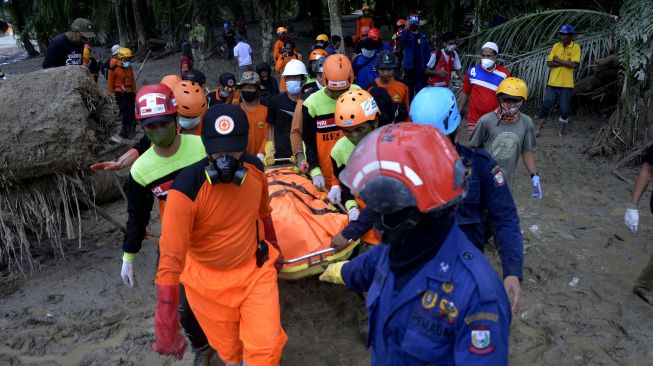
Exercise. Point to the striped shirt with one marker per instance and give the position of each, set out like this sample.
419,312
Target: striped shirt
481,86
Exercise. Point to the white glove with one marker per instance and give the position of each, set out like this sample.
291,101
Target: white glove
261,157
537,188
632,218
335,194
318,181
353,214
127,272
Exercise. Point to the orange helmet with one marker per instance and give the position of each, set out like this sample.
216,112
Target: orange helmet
355,107
191,99
316,54
171,81
338,74
391,171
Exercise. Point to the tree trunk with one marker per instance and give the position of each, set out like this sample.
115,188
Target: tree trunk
140,26
335,17
123,33
316,17
264,9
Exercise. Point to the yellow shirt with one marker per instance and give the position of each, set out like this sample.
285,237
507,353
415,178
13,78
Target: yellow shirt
562,76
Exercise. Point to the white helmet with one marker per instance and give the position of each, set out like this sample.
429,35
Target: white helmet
114,49
294,67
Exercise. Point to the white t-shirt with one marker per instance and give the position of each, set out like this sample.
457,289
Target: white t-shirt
243,52
456,61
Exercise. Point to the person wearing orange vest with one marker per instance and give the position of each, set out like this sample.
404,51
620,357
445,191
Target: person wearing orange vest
191,105
356,113
364,20
288,53
319,130
249,86
282,33
386,65
122,85
443,62
219,241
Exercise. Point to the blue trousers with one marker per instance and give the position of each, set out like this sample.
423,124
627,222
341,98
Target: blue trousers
563,96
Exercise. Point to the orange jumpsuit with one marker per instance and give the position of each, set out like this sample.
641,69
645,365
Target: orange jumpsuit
258,128
208,242
278,45
361,22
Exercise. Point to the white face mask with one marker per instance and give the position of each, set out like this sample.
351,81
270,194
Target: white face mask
451,47
367,53
188,123
487,63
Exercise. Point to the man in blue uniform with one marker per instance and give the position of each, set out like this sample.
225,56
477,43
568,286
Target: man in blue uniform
416,54
488,197
432,296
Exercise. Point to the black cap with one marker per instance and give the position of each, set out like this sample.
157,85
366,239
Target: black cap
195,76
225,77
224,129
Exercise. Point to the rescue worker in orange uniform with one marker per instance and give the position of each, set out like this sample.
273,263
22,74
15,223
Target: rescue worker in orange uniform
364,20
212,241
191,105
319,131
122,85
282,33
249,87
287,53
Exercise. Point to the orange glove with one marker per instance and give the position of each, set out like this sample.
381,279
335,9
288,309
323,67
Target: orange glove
169,340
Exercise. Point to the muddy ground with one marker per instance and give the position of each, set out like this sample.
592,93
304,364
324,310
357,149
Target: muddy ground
580,266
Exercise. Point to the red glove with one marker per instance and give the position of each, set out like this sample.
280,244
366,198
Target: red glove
271,237
169,340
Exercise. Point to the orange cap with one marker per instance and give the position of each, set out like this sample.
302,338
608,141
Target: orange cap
355,107
338,74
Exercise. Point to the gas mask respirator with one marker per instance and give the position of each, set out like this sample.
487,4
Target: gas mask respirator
225,169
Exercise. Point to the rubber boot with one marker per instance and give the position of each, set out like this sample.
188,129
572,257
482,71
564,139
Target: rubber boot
206,356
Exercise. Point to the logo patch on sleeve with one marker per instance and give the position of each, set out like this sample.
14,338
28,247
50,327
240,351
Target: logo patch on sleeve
481,342
499,179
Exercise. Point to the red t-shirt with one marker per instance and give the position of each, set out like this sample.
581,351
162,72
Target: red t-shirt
481,86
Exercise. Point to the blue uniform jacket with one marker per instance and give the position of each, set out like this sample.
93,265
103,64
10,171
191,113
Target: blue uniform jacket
487,191
410,41
454,311
365,70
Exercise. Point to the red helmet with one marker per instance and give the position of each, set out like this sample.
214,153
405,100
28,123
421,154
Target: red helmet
405,165
401,23
374,34
155,100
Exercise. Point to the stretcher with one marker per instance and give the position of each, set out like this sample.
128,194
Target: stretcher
304,223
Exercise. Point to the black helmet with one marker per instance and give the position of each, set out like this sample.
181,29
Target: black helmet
227,79
195,76
387,60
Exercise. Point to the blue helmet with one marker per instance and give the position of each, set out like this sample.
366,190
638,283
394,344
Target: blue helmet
225,25
567,29
436,106
413,19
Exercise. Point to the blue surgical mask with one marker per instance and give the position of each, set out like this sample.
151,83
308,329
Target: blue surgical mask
367,53
126,64
294,87
188,123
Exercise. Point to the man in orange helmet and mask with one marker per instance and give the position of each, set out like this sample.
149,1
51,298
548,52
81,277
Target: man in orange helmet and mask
319,131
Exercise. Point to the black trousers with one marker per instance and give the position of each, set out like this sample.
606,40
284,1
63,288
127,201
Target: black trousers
127,104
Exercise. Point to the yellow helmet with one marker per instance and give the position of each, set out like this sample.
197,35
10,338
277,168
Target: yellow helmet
365,7
322,38
282,30
124,53
514,87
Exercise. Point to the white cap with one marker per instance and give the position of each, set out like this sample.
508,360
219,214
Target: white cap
114,49
294,67
492,46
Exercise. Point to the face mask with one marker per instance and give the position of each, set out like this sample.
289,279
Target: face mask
224,94
451,47
367,53
249,96
126,64
162,137
188,123
511,109
294,87
226,169
487,63
395,227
